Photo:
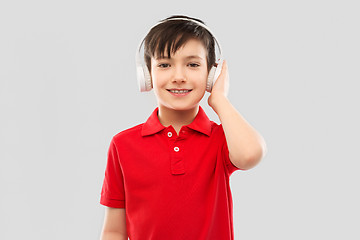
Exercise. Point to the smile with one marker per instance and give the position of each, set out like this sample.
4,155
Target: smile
179,93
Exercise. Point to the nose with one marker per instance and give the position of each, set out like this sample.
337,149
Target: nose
179,74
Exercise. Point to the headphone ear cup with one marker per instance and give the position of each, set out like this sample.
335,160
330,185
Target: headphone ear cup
210,80
140,78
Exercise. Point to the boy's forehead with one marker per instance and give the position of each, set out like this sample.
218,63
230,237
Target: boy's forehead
190,49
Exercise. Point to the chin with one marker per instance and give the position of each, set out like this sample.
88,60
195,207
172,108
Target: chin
185,107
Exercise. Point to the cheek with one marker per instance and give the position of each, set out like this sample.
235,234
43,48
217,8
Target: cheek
200,77
158,78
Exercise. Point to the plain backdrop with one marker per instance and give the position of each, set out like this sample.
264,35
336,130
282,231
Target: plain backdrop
68,84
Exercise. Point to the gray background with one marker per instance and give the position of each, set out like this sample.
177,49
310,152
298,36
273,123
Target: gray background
68,85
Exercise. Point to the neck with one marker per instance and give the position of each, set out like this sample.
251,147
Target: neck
176,118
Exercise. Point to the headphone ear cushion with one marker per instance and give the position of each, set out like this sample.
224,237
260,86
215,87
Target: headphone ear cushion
147,79
144,78
218,70
210,80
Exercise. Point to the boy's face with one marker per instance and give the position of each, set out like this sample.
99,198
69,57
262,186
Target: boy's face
186,69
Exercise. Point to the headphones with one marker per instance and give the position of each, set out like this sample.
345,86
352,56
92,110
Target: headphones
143,73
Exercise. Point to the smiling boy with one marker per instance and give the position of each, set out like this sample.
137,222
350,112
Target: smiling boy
168,178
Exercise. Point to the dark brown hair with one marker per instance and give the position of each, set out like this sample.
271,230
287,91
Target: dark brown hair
169,36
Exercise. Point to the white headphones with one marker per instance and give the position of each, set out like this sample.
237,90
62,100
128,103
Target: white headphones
143,73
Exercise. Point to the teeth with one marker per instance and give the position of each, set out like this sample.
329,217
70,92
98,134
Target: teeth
181,91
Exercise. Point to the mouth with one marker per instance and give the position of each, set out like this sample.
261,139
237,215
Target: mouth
176,90
179,92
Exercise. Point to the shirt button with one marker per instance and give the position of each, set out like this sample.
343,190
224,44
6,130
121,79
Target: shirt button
176,149
169,134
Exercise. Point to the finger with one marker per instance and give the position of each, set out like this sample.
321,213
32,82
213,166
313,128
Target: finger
224,66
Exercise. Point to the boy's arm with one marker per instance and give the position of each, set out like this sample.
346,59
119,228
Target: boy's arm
246,146
114,224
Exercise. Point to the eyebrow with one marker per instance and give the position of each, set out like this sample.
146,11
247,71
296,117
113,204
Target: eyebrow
186,58
193,56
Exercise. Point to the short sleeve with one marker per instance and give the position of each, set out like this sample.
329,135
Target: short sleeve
112,192
230,167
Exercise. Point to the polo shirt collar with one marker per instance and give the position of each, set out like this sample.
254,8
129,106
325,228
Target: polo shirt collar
201,123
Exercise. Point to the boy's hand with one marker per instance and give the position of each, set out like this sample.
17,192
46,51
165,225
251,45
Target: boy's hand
221,87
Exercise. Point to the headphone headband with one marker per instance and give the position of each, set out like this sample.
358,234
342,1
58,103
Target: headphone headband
138,60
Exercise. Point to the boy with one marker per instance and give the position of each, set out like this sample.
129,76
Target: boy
168,178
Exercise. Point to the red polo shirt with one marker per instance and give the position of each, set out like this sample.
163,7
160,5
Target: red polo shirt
172,187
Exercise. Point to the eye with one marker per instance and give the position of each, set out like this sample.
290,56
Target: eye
163,65
194,65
